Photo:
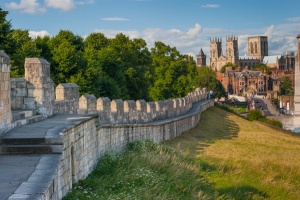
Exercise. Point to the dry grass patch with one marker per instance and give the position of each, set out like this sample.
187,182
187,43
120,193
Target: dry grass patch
245,160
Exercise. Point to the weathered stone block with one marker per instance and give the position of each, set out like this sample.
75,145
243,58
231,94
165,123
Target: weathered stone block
103,104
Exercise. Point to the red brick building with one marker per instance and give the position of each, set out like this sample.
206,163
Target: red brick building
244,81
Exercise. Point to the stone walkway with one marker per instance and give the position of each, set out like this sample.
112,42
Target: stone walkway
25,176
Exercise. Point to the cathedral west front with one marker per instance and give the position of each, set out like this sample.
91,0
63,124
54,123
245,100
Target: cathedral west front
257,50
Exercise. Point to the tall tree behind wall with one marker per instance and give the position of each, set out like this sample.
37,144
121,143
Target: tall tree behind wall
67,57
24,47
5,30
207,79
136,63
175,74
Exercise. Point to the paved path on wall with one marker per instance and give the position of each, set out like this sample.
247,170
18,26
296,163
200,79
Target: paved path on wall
195,109
26,176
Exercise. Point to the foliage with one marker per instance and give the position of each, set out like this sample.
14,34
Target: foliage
174,73
207,78
286,86
262,67
6,43
24,47
223,68
255,115
144,171
116,67
275,101
67,56
274,122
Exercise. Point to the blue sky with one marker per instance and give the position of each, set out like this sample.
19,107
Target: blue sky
185,24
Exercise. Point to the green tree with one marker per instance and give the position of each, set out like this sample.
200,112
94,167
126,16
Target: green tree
90,82
286,86
223,69
6,43
174,74
136,63
67,57
42,43
263,68
207,79
24,47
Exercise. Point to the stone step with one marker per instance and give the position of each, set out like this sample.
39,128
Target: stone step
22,114
30,149
27,120
22,141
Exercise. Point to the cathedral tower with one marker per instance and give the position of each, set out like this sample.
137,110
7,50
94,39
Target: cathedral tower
258,47
201,59
215,50
232,49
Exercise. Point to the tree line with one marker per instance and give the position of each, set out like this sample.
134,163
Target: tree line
117,67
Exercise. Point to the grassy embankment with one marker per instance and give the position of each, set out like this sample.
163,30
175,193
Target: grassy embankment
224,157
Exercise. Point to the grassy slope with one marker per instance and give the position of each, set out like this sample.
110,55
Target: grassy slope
224,157
245,160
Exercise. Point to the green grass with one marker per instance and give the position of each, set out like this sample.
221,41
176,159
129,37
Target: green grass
223,157
234,108
144,171
244,160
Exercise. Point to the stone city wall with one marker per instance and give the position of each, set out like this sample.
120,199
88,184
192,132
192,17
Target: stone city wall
118,122
36,90
22,94
37,73
85,143
5,101
140,111
67,96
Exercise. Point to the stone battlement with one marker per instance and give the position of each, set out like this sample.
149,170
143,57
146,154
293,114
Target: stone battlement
36,92
110,124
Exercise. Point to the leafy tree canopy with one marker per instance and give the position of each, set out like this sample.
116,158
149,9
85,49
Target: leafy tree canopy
286,86
174,73
5,30
223,69
117,67
207,78
262,67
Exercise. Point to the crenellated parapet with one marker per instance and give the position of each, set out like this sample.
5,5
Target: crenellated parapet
87,104
36,92
67,99
137,112
37,73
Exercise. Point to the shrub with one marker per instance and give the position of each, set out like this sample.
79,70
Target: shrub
274,122
255,115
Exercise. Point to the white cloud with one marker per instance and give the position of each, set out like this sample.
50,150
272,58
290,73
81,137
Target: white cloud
186,42
211,6
34,34
84,2
114,19
294,19
33,7
27,6
65,5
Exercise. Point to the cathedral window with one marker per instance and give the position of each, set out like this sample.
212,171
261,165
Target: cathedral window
255,46
251,48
